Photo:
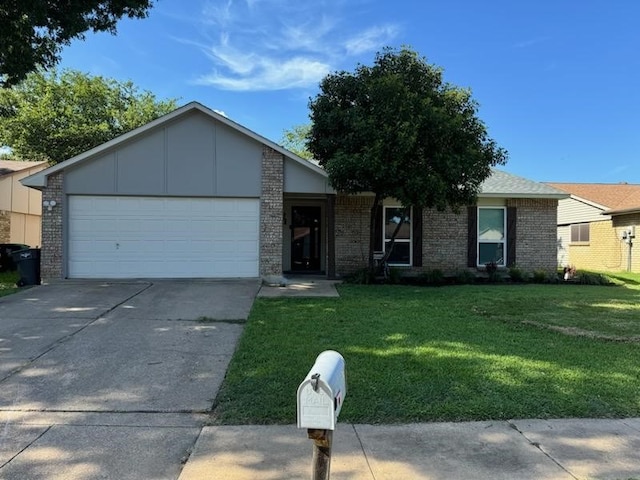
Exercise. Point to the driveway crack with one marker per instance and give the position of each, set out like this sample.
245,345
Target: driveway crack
67,337
539,447
364,452
26,446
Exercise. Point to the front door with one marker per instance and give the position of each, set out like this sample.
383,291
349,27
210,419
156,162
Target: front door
305,238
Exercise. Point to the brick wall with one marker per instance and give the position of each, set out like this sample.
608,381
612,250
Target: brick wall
51,259
444,240
536,246
5,226
605,251
621,222
352,232
444,235
271,211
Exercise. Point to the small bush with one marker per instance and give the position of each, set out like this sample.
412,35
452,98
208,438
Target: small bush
516,274
395,276
491,268
432,277
588,278
363,276
465,277
539,276
495,277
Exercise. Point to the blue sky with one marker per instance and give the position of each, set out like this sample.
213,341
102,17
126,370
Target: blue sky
558,81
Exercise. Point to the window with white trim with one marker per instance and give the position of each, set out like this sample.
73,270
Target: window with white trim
402,247
492,235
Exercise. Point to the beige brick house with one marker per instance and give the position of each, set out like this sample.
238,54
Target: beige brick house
194,194
597,225
20,207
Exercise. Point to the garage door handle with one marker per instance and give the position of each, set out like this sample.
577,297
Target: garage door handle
117,246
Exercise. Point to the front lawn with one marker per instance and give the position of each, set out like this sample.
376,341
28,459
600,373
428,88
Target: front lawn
466,352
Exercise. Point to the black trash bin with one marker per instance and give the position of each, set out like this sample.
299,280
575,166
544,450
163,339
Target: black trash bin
28,261
6,260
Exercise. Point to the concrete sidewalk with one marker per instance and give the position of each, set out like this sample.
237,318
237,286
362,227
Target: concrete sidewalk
508,450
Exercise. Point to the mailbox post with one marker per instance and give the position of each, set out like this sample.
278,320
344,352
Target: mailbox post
320,397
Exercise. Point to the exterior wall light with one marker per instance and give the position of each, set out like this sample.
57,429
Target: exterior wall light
49,204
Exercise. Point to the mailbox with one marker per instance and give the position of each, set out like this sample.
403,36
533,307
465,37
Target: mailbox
322,392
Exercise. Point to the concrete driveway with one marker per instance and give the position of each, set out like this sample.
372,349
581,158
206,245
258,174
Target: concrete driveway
112,380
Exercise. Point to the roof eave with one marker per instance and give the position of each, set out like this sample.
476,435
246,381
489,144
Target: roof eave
622,211
548,196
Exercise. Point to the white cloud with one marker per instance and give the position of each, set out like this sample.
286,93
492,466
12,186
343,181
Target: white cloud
269,74
371,39
279,44
221,112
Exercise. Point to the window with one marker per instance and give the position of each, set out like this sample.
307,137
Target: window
580,232
401,254
492,235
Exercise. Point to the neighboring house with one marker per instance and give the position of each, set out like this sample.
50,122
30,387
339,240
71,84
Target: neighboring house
194,194
20,207
595,224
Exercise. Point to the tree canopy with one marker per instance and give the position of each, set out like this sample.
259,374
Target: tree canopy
398,130
55,116
34,31
295,140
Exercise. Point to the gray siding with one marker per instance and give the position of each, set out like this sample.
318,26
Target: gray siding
239,164
193,156
571,211
299,179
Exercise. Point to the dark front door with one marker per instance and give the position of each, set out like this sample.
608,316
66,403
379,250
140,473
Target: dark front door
305,238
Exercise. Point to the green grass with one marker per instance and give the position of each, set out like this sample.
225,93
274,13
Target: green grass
466,352
8,283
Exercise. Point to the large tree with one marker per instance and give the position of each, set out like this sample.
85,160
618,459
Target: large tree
34,31
295,140
54,116
397,129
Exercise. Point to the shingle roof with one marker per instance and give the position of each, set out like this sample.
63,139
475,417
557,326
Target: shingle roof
614,197
12,166
502,183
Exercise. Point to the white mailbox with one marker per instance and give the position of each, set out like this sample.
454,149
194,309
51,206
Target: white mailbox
321,394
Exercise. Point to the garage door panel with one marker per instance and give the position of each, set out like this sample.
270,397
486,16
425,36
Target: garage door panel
138,237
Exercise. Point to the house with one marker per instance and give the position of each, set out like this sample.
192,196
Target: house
194,194
596,226
20,207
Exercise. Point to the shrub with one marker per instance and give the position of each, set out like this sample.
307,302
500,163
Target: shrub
465,277
363,276
495,276
588,278
432,277
539,276
516,274
491,268
395,276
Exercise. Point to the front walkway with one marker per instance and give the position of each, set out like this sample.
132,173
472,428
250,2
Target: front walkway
301,286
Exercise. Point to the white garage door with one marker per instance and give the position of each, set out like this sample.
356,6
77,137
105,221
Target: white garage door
162,237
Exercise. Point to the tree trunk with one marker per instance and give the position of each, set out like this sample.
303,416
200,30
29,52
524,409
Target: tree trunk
372,230
405,211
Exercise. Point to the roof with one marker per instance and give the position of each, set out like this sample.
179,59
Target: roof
615,198
39,180
501,184
8,167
